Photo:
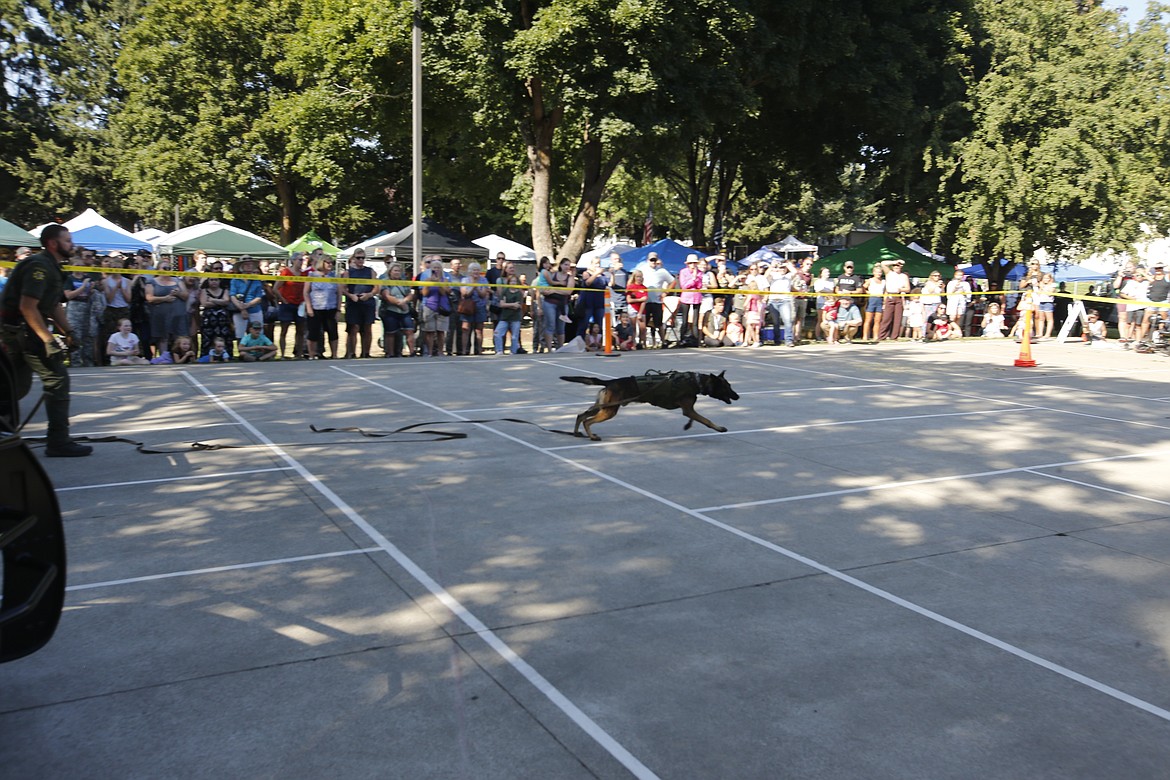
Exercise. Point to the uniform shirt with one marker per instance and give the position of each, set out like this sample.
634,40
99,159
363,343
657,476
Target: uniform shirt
39,276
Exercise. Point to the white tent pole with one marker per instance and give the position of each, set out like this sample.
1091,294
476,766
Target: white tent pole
416,132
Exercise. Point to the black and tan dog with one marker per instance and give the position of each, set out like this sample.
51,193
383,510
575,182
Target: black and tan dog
664,389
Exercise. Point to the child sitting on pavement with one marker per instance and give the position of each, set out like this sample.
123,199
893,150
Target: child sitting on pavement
218,352
123,348
735,333
593,338
182,350
1094,332
255,345
993,323
625,333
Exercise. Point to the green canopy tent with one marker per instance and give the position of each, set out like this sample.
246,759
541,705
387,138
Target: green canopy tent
218,239
13,235
865,256
310,241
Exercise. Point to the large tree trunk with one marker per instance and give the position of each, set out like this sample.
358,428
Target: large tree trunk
701,160
538,137
595,175
724,195
286,196
996,273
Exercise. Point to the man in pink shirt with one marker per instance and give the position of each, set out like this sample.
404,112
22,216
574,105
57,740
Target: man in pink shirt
690,281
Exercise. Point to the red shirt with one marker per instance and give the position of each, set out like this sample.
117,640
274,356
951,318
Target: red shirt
292,292
636,296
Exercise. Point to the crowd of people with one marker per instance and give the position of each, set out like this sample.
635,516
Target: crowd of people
256,313
136,310
707,304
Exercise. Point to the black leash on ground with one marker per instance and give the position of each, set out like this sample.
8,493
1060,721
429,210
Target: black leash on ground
202,446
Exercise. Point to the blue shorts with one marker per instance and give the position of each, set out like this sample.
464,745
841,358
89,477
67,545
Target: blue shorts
393,322
287,312
1048,307
873,305
360,313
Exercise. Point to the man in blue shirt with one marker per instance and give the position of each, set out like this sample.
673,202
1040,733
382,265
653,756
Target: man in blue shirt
247,295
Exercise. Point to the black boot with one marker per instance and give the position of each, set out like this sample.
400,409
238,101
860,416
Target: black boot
59,445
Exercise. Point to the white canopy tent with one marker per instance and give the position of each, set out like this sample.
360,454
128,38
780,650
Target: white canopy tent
603,253
150,235
513,250
90,218
790,244
93,231
920,249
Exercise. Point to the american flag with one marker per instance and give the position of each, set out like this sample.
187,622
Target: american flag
648,227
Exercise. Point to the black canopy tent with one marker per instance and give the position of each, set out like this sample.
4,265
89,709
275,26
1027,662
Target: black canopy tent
436,240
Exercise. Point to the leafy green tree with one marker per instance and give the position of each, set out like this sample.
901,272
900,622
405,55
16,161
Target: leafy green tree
57,61
586,83
1058,153
248,110
823,88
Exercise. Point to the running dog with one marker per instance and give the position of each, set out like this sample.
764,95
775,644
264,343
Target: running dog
664,389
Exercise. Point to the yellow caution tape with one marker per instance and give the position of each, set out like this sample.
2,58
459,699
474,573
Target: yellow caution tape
273,278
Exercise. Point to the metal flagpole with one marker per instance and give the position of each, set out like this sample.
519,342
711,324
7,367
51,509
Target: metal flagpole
416,135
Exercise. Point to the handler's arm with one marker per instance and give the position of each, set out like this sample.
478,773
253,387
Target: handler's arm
32,315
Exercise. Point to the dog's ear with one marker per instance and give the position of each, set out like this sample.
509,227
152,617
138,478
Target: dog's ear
721,373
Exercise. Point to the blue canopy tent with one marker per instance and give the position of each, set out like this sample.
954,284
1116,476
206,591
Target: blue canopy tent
672,253
104,240
1062,272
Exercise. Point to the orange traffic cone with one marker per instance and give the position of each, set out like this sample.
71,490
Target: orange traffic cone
1025,359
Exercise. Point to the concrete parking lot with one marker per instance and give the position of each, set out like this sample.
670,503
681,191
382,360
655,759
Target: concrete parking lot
901,561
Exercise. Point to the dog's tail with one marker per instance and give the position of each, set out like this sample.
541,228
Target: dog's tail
584,380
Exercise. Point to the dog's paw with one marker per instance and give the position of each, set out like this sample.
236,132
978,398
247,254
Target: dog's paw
594,437
721,429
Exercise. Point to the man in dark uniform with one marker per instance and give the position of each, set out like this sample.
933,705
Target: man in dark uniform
30,300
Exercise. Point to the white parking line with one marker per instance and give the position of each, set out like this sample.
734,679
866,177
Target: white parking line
797,427
1099,487
577,405
935,390
931,480
218,569
489,637
221,475
125,431
824,569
